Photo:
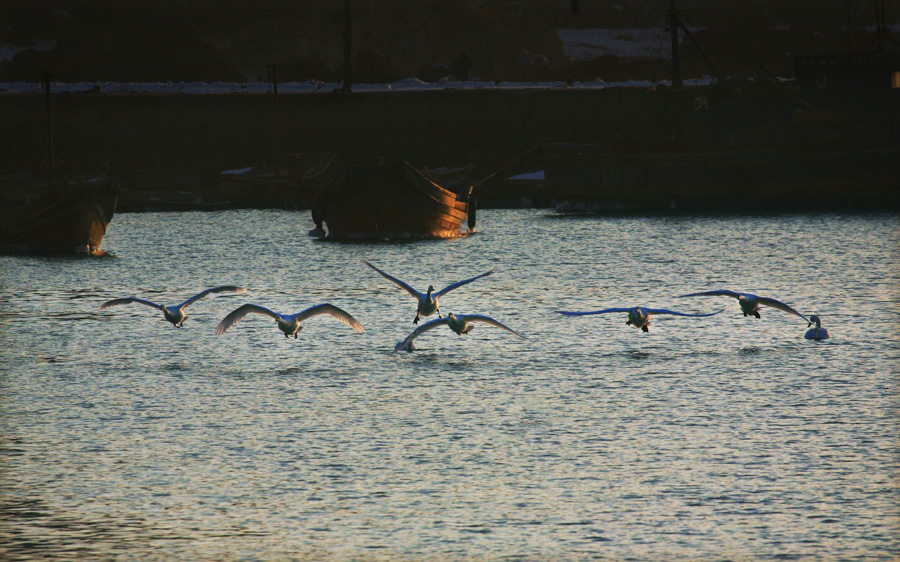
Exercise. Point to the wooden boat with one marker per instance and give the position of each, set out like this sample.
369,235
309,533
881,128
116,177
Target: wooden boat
66,215
389,199
68,218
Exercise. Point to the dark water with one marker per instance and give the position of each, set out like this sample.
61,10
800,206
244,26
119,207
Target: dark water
708,438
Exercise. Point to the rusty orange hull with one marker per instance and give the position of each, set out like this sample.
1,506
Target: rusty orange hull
389,200
69,219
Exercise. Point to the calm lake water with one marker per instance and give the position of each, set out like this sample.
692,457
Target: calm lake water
707,438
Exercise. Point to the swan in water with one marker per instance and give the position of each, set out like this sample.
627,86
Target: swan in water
817,333
427,302
638,316
459,323
289,324
749,303
174,314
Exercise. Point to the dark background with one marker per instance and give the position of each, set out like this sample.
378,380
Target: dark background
235,40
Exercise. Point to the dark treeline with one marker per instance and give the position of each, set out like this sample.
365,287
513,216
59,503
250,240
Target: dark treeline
233,40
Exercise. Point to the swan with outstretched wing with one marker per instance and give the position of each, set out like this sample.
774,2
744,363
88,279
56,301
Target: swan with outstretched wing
638,316
289,324
427,303
459,323
175,313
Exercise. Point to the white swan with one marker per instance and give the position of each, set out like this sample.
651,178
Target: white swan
749,303
289,324
638,316
459,323
427,302
174,314
817,333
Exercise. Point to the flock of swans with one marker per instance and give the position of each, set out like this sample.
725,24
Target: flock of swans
427,304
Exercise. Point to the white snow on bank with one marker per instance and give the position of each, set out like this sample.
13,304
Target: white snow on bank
9,51
407,85
587,44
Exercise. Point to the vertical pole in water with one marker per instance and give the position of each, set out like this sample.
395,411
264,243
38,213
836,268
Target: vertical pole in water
45,83
273,76
348,45
673,27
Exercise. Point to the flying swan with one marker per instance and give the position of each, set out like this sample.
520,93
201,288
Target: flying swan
638,316
459,323
818,333
749,303
427,302
174,314
289,324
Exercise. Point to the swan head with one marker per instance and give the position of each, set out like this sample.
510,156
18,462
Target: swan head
430,289
814,319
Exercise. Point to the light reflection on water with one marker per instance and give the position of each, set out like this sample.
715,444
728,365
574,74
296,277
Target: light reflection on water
709,438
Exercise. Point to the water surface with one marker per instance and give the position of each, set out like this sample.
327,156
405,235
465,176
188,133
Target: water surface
707,438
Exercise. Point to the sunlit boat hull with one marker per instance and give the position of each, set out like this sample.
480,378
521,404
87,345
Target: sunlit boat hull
389,200
68,220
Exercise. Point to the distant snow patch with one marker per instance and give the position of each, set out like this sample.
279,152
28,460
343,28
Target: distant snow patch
9,51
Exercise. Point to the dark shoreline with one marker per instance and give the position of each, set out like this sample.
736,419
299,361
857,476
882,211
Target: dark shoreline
638,146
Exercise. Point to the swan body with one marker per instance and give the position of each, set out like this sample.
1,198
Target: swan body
175,313
818,333
750,303
638,316
427,303
289,324
459,323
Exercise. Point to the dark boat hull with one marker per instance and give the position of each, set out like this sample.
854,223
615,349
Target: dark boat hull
389,200
68,219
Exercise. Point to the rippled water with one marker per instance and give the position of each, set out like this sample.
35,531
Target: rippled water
708,438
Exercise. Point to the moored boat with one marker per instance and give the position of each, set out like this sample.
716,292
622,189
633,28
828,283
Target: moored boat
61,215
390,199
68,218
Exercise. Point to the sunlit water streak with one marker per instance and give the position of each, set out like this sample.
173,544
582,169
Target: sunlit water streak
708,438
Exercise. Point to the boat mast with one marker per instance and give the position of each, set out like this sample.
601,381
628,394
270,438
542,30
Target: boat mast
45,84
348,45
674,24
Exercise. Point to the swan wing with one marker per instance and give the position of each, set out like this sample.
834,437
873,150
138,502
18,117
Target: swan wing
238,314
127,300
491,321
449,288
407,343
403,285
717,293
222,289
331,310
766,301
604,311
666,311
